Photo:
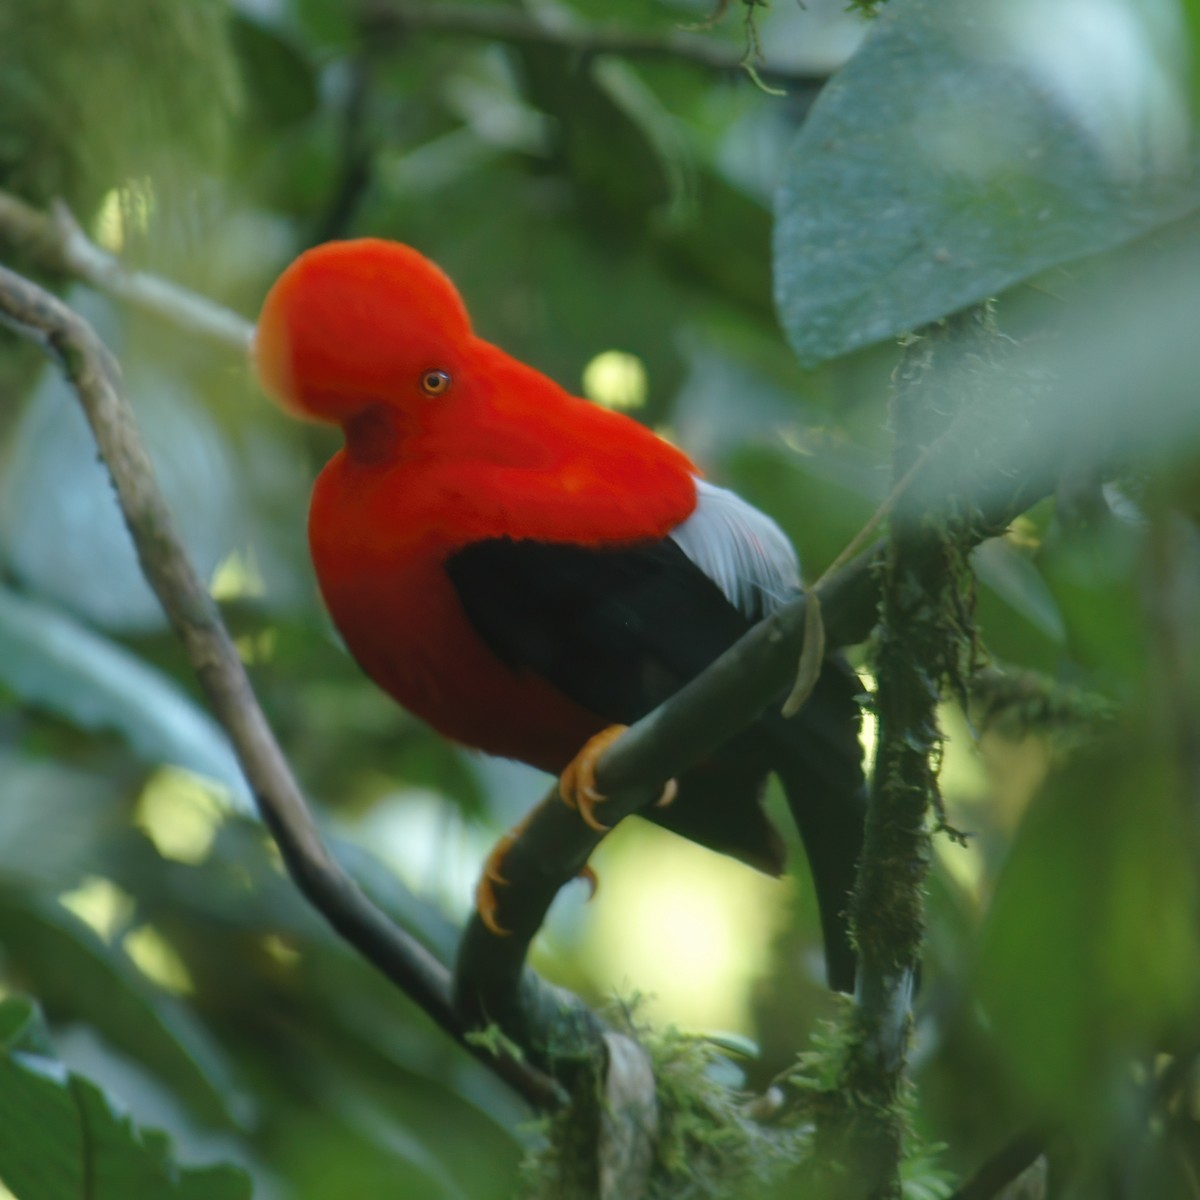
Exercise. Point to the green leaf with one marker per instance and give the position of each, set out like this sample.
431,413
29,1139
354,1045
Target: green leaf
22,1027
722,217
53,821
62,1138
62,62
964,148
281,83
1095,578
61,531
77,977
49,660
1013,576
1089,954
617,145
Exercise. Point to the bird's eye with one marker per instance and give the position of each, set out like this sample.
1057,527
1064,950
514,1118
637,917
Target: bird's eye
434,383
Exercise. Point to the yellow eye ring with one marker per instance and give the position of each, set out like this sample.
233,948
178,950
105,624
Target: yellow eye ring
434,383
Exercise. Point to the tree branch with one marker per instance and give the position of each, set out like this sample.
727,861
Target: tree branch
356,152
491,983
1011,1161
93,374
520,28
924,643
553,844
56,243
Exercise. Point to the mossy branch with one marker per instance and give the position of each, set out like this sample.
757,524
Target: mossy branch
945,386
94,376
492,984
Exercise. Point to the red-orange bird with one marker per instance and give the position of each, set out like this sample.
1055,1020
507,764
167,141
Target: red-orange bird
523,569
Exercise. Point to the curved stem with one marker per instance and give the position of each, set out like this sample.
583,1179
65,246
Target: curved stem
520,28
57,243
93,374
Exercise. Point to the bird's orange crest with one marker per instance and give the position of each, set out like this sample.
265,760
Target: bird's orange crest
355,323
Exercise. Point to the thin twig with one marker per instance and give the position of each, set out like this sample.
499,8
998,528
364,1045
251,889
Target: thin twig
93,374
56,243
522,28
355,150
553,844
809,668
1011,1161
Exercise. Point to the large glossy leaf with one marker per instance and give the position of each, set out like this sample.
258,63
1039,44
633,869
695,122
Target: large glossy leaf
49,660
61,532
1013,577
53,822
966,147
62,1138
78,977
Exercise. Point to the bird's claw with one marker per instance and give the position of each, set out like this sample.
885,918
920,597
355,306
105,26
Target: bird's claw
577,785
591,879
577,788
486,901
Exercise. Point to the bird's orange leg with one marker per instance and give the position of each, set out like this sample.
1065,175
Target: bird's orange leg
486,902
577,784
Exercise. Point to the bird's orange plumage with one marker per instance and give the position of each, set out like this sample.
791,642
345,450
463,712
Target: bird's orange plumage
524,569
347,335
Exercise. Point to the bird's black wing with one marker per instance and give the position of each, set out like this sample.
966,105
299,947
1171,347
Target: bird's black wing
617,629
620,629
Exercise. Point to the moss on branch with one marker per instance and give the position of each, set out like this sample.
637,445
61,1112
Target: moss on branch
952,386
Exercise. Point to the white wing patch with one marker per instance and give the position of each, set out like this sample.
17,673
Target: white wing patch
741,550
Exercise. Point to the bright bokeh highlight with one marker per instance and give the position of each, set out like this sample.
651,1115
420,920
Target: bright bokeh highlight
687,929
181,812
616,380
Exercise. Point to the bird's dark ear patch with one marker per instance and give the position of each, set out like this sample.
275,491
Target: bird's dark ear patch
373,435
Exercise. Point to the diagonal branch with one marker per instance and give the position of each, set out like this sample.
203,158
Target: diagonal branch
492,983
1006,1166
520,28
553,844
56,243
91,371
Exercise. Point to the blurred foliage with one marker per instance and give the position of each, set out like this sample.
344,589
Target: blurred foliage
64,67
62,1137
588,205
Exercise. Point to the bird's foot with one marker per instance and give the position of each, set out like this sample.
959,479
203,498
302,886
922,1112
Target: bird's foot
486,901
591,879
577,785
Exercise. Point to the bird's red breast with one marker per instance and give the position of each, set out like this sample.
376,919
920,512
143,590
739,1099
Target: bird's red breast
449,442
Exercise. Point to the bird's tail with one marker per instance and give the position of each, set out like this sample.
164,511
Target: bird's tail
818,758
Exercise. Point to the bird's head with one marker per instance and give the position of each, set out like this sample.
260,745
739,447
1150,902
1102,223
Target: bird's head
356,327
